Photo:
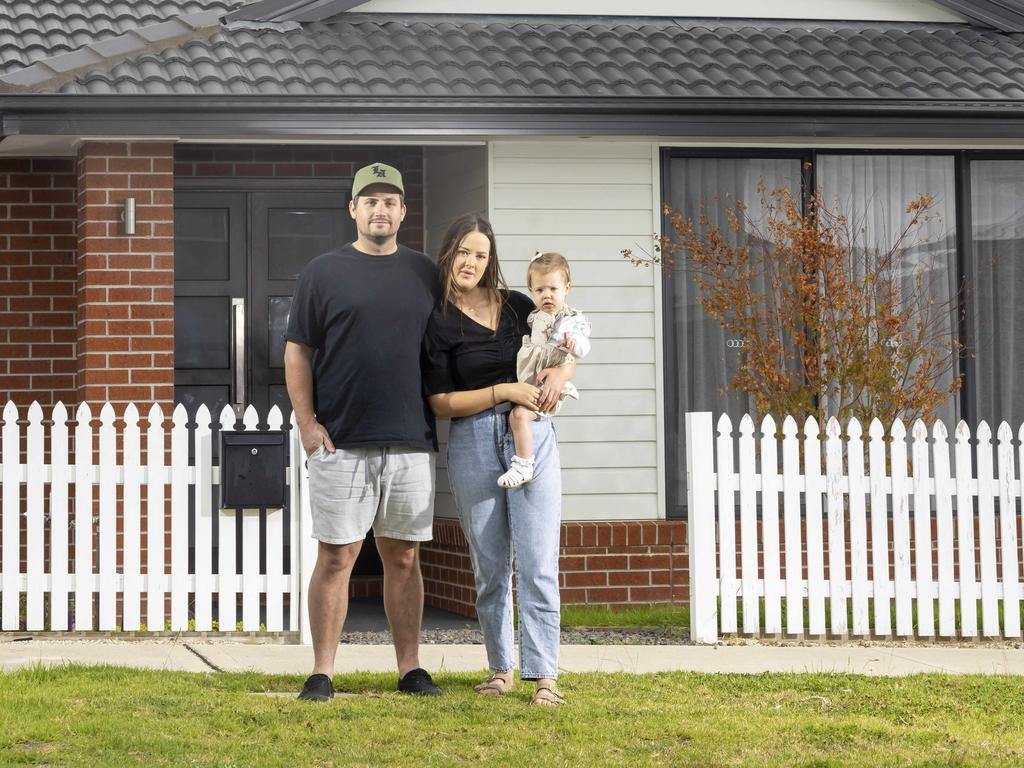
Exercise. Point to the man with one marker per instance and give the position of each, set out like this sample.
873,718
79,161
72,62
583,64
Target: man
352,365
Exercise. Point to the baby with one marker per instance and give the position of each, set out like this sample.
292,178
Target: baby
558,335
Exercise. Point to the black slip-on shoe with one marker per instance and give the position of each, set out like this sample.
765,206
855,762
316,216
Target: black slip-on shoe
317,688
418,683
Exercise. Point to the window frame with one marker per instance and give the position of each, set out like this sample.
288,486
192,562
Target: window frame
676,508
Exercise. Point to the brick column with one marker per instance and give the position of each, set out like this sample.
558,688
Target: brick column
126,283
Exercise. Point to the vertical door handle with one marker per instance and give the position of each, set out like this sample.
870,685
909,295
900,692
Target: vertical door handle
238,352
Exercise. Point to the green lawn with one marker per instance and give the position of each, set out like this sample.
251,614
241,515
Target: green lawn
663,615
78,716
677,616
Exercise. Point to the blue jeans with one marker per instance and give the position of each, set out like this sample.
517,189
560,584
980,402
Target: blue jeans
500,524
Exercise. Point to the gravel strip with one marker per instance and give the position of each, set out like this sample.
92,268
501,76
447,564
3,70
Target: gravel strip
570,636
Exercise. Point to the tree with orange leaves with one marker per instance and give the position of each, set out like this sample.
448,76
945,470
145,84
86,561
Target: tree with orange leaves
830,328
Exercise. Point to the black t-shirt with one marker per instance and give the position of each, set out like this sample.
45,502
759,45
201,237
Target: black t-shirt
366,316
459,354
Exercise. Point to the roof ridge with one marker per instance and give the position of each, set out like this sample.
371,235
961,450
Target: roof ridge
55,71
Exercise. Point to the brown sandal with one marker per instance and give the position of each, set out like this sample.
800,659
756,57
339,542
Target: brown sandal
494,685
548,696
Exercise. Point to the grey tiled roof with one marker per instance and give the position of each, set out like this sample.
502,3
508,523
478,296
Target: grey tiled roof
492,57
33,30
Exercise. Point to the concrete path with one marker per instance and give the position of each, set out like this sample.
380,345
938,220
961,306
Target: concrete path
291,659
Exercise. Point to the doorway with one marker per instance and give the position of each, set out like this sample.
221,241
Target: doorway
237,257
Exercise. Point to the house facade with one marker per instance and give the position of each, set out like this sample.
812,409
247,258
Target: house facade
234,128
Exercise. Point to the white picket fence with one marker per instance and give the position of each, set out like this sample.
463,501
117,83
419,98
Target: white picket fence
73,498
977,558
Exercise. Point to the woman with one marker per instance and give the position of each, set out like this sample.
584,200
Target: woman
470,375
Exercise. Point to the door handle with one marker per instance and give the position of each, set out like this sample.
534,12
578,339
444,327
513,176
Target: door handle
238,352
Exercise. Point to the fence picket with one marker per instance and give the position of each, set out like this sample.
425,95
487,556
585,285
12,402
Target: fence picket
1008,533
10,563
902,584
923,532
108,520
770,527
794,545
275,550
881,585
987,533
180,487
227,594
944,530
791,527
296,479
203,521
748,529
84,550
250,550
59,519
965,532
728,585
307,548
35,512
131,518
836,527
300,526
859,587
155,513
815,537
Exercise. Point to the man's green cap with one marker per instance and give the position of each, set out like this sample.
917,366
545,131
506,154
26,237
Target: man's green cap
377,173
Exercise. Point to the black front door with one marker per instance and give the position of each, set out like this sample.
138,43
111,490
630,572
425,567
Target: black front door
237,255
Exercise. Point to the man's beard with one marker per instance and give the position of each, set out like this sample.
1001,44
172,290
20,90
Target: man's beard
379,239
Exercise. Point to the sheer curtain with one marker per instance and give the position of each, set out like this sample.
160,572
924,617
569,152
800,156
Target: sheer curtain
705,356
873,192
997,322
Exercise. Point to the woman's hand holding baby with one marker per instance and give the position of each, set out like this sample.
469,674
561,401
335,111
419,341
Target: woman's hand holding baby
552,382
520,393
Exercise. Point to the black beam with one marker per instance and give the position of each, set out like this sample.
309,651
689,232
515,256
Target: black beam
283,118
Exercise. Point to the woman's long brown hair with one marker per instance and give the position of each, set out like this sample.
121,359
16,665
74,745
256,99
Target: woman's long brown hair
493,281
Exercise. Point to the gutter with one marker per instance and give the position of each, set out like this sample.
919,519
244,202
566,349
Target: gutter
300,117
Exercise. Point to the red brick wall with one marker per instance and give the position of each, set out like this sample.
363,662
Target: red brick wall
37,281
616,564
126,283
271,161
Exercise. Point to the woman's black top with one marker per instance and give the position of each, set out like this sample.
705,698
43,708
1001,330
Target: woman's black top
459,354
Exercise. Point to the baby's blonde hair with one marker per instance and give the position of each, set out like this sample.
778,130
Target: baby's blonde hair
543,263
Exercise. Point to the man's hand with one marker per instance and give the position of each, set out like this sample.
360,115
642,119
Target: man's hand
313,436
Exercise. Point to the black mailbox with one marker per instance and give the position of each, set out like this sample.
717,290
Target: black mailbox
252,470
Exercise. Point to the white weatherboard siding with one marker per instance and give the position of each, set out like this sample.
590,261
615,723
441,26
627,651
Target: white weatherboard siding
854,10
588,200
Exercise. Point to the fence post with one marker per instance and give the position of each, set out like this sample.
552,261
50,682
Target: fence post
700,527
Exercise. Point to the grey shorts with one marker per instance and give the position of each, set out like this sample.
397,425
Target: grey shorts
389,489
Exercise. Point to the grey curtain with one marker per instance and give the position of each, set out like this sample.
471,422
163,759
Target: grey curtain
705,356
873,191
997,274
